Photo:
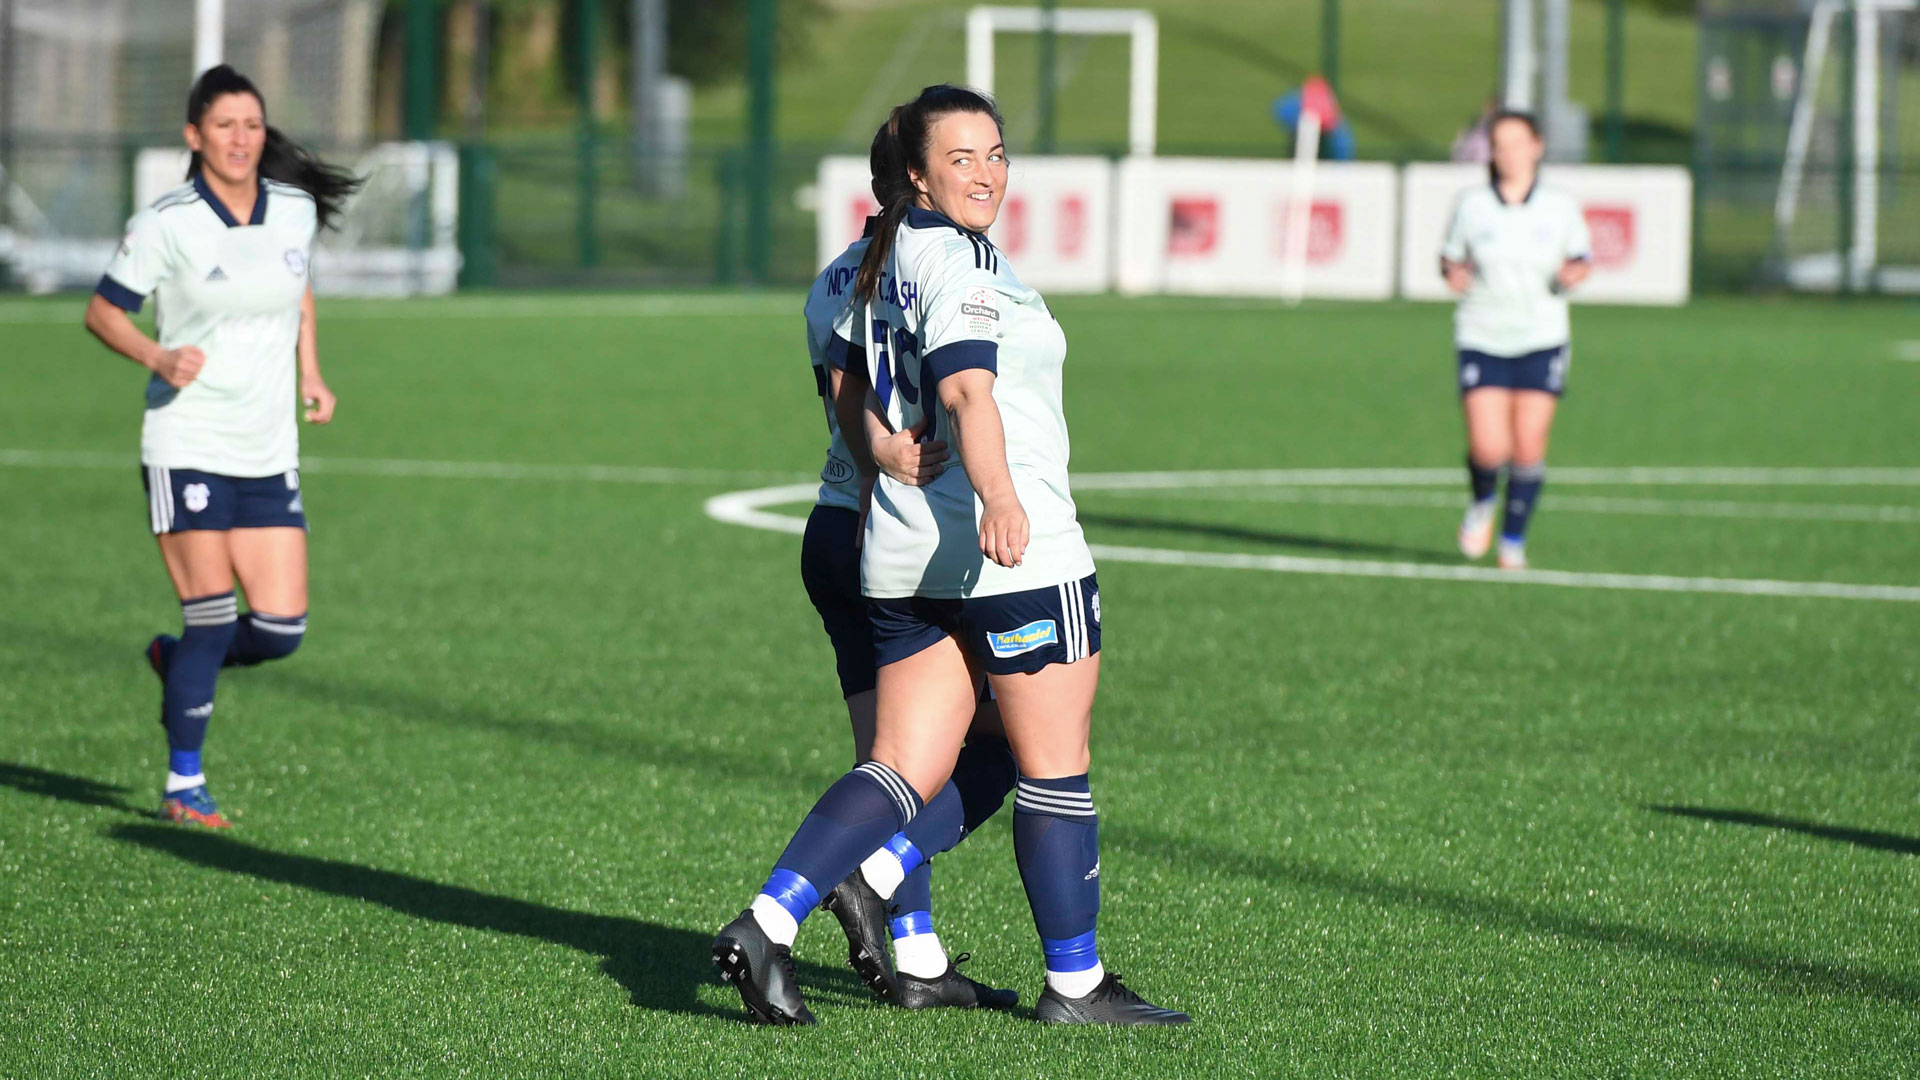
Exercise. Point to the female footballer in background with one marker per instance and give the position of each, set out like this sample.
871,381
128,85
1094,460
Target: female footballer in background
891,896
225,256
1513,251
960,577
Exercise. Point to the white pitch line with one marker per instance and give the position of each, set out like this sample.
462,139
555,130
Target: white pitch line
748,508
1389,477
1907,350
450,470
637,306
1588,504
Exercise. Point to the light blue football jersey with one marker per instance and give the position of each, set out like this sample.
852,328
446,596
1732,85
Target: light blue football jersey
1512,308
831,332
233,289
949,301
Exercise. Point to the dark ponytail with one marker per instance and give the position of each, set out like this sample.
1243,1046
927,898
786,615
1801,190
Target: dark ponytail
281,158
900,149
1501,117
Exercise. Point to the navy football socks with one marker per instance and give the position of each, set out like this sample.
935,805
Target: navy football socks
1523,491
856,815
1484,479
186,704
1056,841
260,638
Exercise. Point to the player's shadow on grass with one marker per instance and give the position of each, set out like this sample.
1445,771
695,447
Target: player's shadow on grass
1866,838
64,787
1303,541
661,967
1774,972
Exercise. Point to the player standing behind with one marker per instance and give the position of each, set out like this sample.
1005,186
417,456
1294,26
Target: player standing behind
225,257
951,322
1513,251
901,871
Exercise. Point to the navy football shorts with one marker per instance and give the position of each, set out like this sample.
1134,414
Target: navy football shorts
830,569
1543,370
185,500
1012,634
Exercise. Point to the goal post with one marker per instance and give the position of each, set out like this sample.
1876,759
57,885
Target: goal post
1143,69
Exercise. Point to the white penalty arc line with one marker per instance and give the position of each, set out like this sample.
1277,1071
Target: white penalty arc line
748,508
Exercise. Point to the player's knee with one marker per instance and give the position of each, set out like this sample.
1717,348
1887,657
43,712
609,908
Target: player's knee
275,637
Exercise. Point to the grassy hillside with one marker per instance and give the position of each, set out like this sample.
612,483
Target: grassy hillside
1413,72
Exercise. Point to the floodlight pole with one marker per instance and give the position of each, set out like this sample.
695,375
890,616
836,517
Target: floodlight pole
209,34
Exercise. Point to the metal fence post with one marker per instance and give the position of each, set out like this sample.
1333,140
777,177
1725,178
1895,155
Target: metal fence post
479,245
1616,80
1330,43
1048,53
420,87
760,39
587,225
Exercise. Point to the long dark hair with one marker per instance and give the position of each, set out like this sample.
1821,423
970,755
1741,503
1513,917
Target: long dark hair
281,159
1501,117
899,146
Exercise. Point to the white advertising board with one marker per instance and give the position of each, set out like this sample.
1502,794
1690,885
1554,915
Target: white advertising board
1641,218
1055,224
1218,227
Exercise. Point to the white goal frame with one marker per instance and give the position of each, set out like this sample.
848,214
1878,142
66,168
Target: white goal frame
1143,97
1859,267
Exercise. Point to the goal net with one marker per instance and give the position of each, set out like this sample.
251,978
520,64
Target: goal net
92,99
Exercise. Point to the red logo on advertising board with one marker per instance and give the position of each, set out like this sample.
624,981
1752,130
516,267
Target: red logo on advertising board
1010,228
1612,231
859,210
1326,230
1070,231
1194,228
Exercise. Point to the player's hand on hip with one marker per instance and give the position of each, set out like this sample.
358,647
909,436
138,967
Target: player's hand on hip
319,400
902,456
1004,532
178,367
1459,276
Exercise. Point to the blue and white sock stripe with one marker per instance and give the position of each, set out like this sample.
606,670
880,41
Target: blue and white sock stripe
1078,953
1524,473
210,610
912,924
278,624
795,894
896,787
1073,608
160,498
1039,800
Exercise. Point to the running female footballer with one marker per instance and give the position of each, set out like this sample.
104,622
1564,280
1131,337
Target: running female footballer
225,257
1514,250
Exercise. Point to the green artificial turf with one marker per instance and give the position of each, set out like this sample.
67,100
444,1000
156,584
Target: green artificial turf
550,726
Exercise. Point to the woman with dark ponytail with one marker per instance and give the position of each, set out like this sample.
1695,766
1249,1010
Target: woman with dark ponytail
226,258
982,569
